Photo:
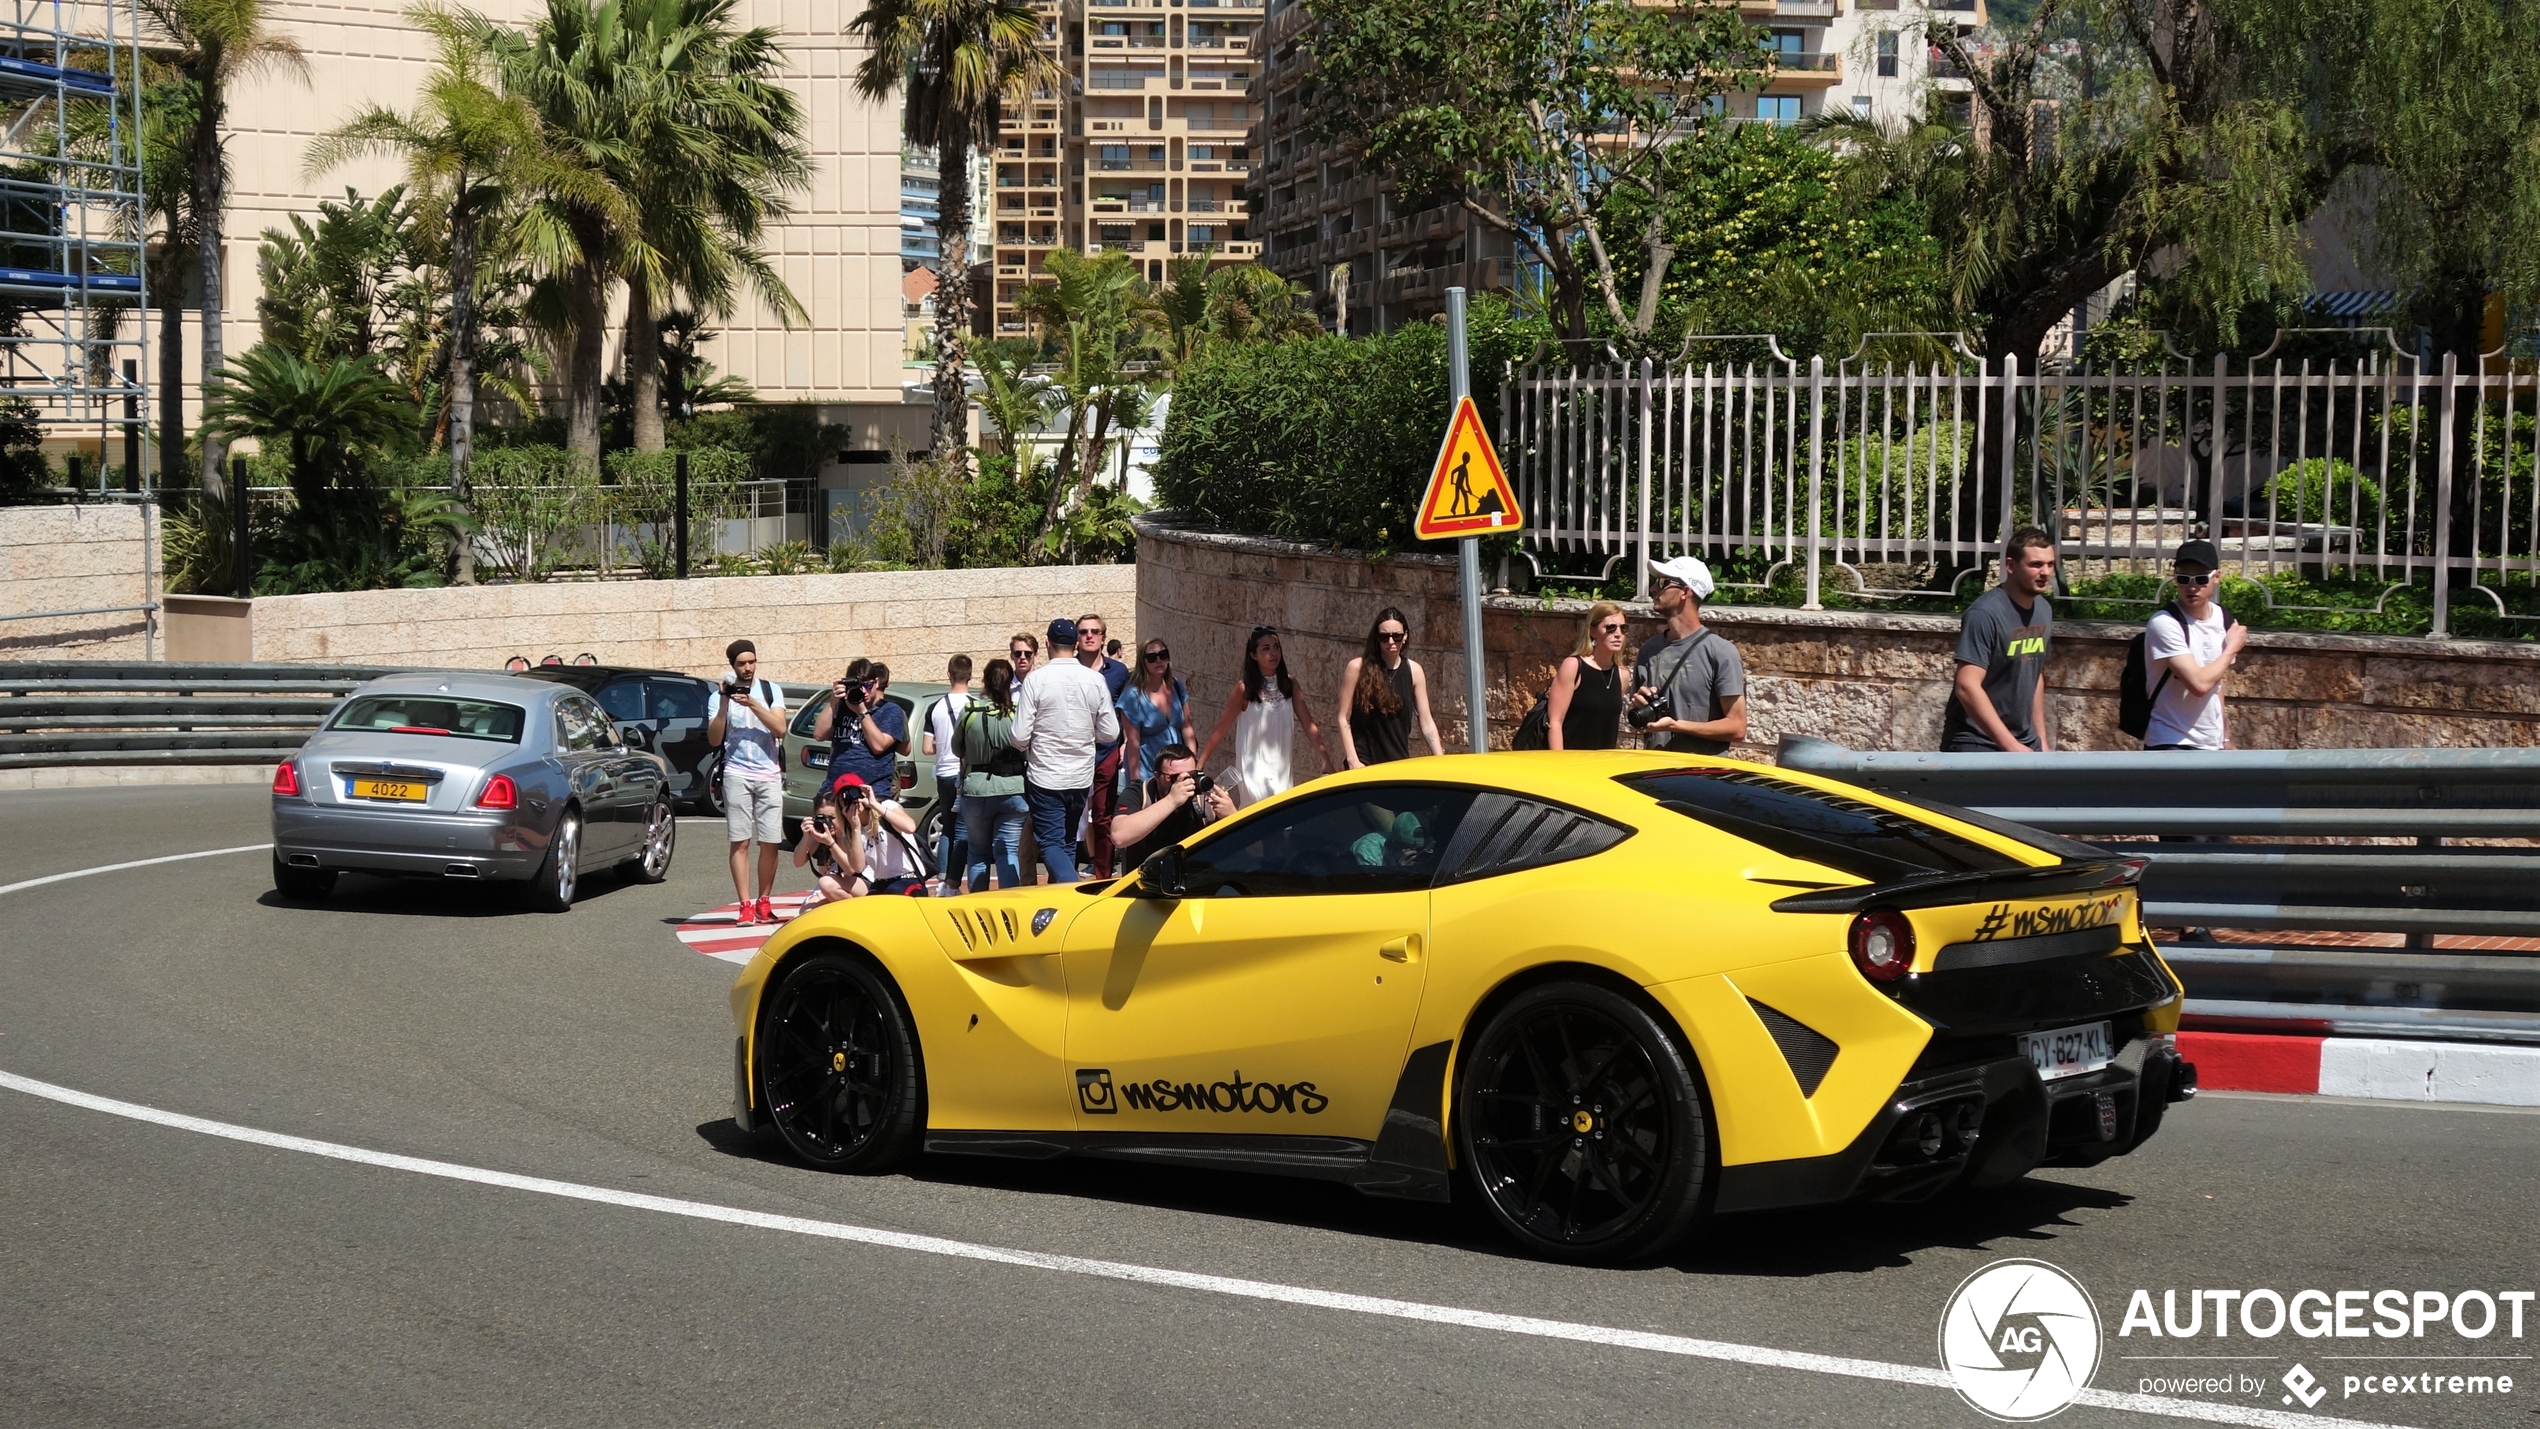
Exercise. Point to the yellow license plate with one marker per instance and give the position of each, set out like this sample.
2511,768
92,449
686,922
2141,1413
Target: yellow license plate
406,791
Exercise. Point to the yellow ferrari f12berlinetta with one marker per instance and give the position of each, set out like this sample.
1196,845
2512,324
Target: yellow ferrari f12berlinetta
1614,993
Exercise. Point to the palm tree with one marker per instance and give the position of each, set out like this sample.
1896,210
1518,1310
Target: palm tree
1099,322
474,154
958,60
324,417
714,146
216,43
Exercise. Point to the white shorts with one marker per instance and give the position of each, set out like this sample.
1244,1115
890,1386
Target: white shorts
753,808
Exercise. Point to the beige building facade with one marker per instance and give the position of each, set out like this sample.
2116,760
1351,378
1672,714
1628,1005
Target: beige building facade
1146,152
839,251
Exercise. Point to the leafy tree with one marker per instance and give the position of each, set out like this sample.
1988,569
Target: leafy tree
474,156
22,464
957,59
168,116
215,44
326,417
324,283
1098,326
1199,305
1766,243
1533,114
688,379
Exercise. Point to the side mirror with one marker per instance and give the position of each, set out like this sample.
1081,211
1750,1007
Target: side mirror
1161,875
635,736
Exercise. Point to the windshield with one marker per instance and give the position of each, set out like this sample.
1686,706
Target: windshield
431,714
1841,833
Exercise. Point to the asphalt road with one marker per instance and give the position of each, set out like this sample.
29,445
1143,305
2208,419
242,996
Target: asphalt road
157,1275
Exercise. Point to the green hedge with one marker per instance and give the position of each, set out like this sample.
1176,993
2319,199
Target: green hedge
1326,439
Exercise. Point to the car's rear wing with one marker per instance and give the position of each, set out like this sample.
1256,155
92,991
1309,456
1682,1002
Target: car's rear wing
1939,889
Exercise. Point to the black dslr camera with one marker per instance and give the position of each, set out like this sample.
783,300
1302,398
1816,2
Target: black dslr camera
1641,716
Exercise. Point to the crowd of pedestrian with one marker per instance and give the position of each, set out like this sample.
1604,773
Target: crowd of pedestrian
1080,765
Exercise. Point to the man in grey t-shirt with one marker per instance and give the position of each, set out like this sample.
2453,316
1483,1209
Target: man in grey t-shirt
1691,671
1998,703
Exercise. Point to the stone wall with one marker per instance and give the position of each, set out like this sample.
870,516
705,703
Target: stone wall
78,558
1863,679
806,627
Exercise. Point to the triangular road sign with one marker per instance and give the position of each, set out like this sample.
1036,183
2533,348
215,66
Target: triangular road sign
1468,494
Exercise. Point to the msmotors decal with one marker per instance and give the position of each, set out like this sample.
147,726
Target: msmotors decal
2002,921
1095,1093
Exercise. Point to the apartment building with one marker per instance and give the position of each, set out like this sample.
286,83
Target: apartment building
1147,152
1322,216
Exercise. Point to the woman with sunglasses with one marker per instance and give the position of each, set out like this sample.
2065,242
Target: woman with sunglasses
1264,713
1154,713
1381,691
1586,707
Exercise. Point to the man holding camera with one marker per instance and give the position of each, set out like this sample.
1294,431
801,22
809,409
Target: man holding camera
1060,718
745,716
1181,801
1688,686
865,731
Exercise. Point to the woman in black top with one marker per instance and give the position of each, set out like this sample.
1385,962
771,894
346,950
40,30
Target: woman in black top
1586,710
1381,691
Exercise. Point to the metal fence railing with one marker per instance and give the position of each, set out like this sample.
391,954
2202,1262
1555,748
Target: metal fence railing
1898,470
83,712
2417,843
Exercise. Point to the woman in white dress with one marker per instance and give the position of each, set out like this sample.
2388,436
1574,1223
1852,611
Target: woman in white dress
1266,709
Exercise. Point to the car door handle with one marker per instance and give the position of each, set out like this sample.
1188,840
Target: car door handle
1401,950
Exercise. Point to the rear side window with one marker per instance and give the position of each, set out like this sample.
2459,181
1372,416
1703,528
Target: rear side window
431,714
674,699
1842,833
623,700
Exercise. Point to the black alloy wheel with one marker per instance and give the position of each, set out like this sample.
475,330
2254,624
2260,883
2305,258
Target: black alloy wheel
302,885
1583,1124
838,1067
651,863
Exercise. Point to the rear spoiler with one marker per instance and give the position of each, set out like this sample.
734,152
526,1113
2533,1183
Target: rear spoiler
1937,890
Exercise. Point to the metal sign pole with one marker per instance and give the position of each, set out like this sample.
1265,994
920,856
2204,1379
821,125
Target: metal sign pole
1468,551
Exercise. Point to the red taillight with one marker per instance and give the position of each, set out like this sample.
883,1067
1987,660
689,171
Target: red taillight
908,776
500,793
286,779
1882,945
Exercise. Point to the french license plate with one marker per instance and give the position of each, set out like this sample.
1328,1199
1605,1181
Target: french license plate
2068,1051
407,791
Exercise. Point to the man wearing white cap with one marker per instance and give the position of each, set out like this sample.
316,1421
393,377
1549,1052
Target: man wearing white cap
1689,687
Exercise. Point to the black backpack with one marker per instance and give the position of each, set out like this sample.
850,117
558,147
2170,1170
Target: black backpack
2135,689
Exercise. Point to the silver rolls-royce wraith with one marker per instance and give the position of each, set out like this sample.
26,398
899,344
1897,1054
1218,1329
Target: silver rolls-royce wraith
470,777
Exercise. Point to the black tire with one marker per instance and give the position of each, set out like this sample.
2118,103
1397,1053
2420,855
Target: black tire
838,1070
302,885
931,830
710,784
1582,1122
651,863
551,888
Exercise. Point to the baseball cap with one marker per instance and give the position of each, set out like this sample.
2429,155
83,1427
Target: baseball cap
846,781
1695,575
1062,632
2202,552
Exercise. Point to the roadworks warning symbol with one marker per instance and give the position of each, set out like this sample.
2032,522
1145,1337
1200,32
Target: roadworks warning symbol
1468,494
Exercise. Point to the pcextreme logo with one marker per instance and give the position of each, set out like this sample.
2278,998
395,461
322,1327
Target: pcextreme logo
2020,1340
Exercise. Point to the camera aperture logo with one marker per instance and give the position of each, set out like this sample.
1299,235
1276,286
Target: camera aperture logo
2020,1340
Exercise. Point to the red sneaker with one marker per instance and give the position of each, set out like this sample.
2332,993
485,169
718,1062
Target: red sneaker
766,912
747,915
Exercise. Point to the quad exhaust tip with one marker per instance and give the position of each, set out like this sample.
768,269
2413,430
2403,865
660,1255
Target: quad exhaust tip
462,870
301,860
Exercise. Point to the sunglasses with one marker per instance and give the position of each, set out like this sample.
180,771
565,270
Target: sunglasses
1265,630
2206,579
1020,653
1612,628
1159,655
1084,634
1393,637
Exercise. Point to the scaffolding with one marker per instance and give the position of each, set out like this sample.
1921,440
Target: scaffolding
74,320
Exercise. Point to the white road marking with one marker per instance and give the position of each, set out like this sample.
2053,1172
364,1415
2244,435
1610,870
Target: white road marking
136,863
1528,1325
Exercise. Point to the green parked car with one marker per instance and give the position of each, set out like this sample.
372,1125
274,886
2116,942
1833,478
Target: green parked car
807,762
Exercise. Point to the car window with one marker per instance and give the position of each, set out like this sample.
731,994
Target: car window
808,717
623,699
1373,838
431,714
578,725
674,699
1819,826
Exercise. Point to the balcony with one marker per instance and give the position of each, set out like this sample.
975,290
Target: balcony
1112,79
1806,67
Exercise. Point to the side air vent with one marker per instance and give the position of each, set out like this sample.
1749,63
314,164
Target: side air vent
1013,930
961,924
1810,1053
1505,833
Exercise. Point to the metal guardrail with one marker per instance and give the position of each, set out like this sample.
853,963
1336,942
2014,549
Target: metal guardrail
2345,840
64,713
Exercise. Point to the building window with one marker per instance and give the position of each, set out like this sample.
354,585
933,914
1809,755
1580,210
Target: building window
1203,235
1887,54
1202,153
1155,233
1860,106
1784,44
1114,232
1115,156
1155,153
1777,108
